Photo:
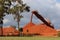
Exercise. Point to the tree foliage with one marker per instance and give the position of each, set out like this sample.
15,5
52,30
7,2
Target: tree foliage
16,10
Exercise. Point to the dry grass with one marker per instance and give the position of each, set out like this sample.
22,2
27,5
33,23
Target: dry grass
30,38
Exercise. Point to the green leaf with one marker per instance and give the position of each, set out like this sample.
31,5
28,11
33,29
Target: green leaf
20,16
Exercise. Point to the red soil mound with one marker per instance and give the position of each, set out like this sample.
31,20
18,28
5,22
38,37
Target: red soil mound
40,29
9,31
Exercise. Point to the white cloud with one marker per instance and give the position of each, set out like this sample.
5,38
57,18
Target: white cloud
58,5
58,9
5,21
47,8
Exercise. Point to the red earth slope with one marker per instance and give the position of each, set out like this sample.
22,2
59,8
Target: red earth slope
40,29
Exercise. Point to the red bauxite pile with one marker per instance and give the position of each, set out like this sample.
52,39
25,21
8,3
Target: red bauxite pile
9,31
40,29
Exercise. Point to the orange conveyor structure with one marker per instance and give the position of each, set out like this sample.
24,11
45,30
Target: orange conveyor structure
41,18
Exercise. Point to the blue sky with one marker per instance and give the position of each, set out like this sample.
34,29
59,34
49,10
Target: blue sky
58,0
47,8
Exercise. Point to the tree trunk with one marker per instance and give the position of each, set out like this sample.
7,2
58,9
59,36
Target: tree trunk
1,26
18,24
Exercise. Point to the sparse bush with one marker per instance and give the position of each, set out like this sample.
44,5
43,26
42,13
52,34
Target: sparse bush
58,34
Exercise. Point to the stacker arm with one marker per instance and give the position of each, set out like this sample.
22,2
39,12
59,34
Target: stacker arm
41,18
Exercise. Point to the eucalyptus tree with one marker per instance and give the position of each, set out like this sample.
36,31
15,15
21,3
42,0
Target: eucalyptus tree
4,5
17,9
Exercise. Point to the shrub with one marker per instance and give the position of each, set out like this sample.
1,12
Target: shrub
58,34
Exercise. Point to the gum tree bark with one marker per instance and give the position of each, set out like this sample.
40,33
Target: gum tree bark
1,26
